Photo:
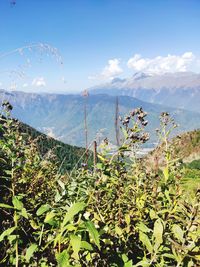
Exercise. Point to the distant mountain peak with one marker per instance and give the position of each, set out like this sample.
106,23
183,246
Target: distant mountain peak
178,89
140,75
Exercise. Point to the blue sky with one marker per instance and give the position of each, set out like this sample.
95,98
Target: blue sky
97,39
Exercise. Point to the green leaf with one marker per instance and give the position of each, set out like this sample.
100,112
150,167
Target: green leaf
142,227
178,232
49,218
61,184
166,173
30,251
153,214
2,205
128,264
124,258
17,203
43,209
63,259
146,242
93,232
124,133
24,213
118,230
127,219
57,196
86,245
158,233
33,224
143,263
75,242
7,232
101,158
73,210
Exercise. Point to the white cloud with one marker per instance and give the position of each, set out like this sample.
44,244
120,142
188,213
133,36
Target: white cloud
111,70
159,64
25,85
39,82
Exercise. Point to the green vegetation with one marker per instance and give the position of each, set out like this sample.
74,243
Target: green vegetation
65,156
116,214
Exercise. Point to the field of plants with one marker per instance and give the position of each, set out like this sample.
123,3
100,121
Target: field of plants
116,213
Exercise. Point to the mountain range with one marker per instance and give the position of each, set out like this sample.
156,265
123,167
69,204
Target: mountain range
62,116
181,89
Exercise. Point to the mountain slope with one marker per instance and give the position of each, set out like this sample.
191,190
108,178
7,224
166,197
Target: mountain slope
184,147
63,115
64,155
180,90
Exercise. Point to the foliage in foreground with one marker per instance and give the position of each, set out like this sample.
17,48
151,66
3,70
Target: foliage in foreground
117,214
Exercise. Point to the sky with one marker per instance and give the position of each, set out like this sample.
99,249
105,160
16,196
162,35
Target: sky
71,45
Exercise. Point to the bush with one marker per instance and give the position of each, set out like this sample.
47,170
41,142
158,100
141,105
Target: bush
118,214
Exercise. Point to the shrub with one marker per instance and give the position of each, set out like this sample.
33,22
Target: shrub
118,214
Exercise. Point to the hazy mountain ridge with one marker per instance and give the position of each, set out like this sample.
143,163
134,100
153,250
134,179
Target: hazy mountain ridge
181,89
63,115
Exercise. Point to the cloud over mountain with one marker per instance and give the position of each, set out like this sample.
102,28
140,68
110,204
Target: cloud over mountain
110,71
160,64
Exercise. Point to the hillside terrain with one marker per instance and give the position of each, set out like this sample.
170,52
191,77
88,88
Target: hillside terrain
184,147
181,89
63,155
62,116
185,150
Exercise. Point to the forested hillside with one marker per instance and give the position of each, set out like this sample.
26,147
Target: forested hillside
65,156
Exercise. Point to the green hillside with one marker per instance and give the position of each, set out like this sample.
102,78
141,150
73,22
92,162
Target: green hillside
65,156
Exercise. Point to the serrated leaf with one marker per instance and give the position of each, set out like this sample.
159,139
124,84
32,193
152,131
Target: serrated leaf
43,209
75,242
145,241
30,251
93,232
73,210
